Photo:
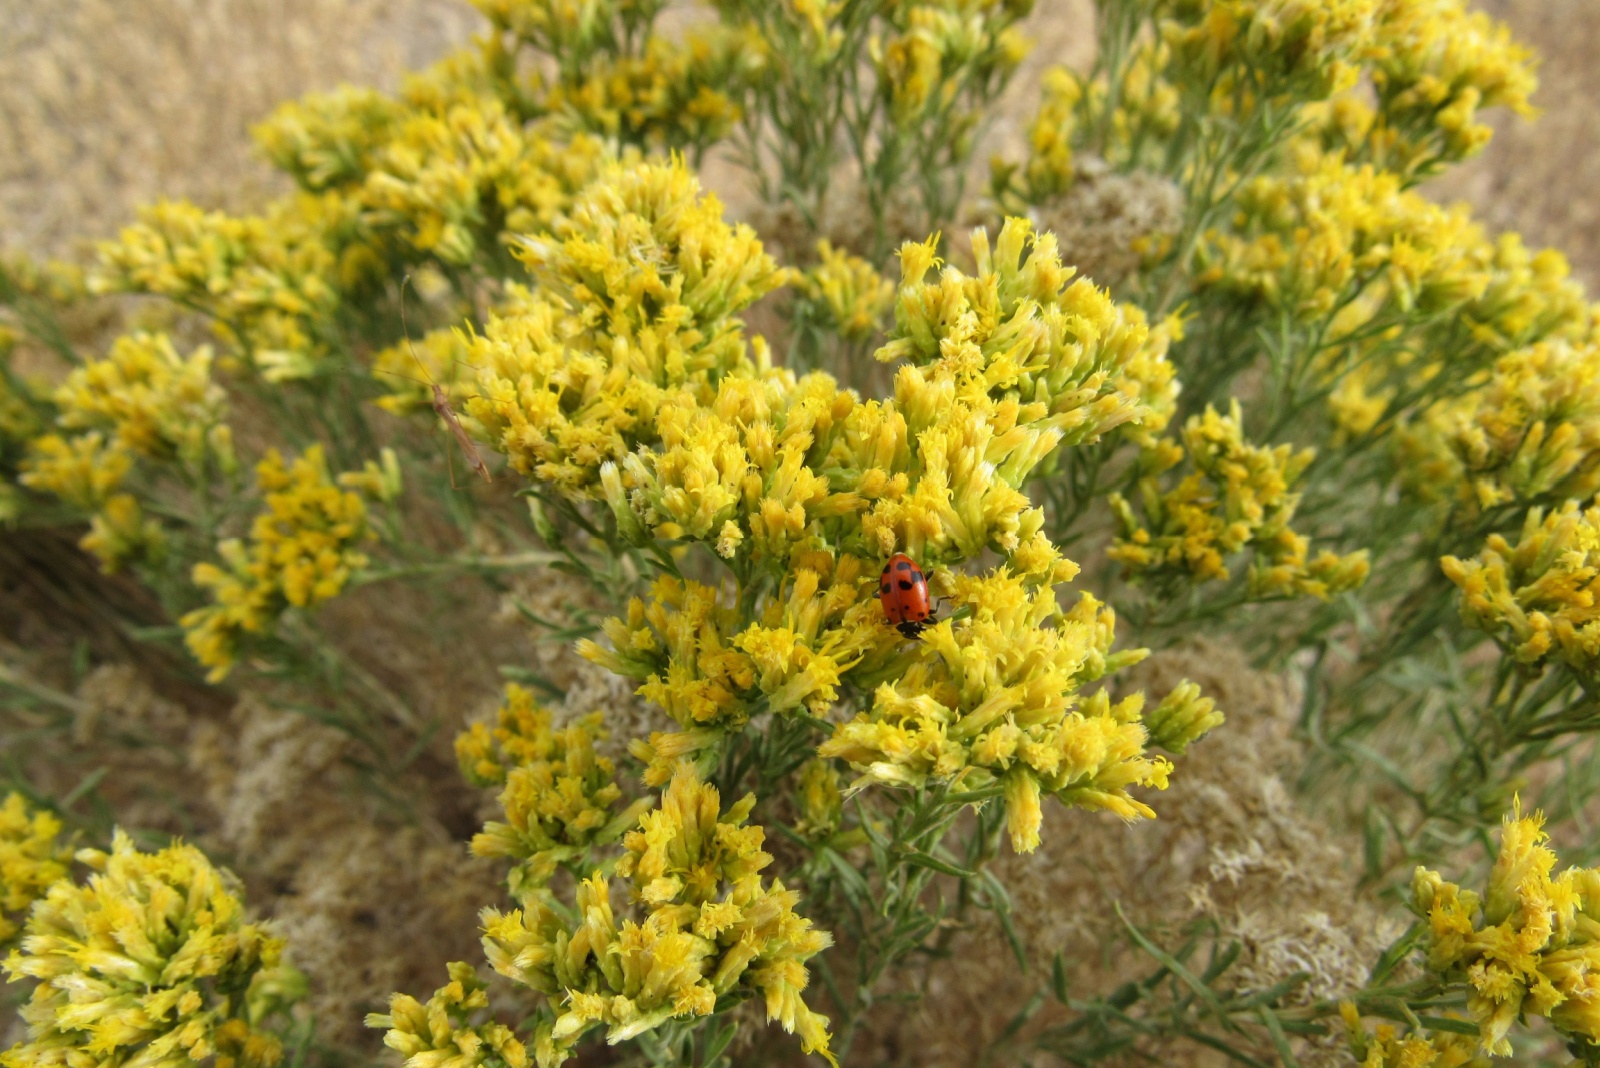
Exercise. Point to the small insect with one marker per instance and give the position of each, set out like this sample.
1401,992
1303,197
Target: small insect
904,592
441,402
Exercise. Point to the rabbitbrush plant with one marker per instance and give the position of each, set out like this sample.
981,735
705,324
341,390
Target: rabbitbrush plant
1278,397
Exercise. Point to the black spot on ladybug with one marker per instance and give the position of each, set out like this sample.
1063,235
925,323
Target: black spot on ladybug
905,584
902,566
884,588
917,613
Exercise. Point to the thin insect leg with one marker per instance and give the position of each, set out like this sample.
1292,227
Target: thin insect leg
441,402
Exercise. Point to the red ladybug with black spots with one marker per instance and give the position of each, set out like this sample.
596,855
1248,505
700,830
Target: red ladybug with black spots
904,592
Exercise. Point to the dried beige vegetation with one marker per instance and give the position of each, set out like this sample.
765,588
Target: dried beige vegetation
1233,848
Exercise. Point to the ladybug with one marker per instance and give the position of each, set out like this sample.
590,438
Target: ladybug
904,593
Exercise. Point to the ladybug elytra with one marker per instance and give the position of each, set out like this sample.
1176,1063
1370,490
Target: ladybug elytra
904,593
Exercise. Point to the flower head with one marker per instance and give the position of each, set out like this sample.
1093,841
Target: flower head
441,1030
558,794
1527,946
1540,596
1238,496
302,551
710,926
151,961
32,859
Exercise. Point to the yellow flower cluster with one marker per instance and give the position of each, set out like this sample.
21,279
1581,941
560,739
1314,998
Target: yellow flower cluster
1309,240
442,1031
58,283
558,793
302,551
711,676
853,298
1238,496
803,489
1529,946
1530,434
1531,297
935,50
1387,1049
1539,597
268,282
569,27
996,701
677,94
1061,362
639,286
1262,49
31,860
141,401
1438,66
712,928
439,173
451,182
1141,115
1182,717
22,416
83,470
152,402
821,800
150,963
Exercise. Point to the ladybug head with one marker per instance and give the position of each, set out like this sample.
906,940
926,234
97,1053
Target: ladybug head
911,628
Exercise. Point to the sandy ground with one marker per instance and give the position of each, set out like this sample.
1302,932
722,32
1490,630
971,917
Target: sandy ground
110,104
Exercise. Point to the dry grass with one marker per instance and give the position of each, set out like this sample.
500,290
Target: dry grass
111,104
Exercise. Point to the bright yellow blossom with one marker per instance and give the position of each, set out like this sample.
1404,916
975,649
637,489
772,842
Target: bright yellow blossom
558,795
1387,1049
1312,238
150,401
1142,115
710,927
268,282
441,1030
1238,496
150,962
31,860
854,299
1439,65
84,470
1528,946
646,262
302,551
120,533
997,701
1182,717
1302,49
1531,433
1540,596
